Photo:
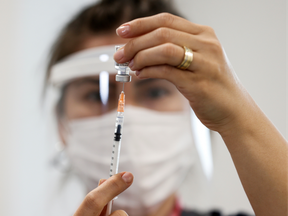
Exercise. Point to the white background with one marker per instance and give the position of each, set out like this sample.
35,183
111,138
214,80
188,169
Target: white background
253,34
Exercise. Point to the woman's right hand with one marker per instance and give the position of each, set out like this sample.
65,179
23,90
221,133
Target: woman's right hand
209,83
95,202
258,150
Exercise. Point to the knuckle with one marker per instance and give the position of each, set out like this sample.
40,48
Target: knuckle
166,70
169,50
138,23
116,185
162,34
214,46
166,19
209,29
92,202
130,45
139,60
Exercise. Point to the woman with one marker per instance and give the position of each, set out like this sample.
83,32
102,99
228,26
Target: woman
154,47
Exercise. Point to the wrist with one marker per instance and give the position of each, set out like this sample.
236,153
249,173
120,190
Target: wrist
245,121
249,124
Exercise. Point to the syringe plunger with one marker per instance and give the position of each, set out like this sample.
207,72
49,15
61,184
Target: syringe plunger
118,133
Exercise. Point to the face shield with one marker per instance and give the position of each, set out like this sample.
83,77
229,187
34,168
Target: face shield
87,79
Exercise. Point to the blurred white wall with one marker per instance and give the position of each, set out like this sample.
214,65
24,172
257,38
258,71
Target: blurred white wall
27,29
252,32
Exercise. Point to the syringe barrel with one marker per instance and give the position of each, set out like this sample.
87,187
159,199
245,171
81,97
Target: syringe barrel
119,120
115,158
117,144
118,127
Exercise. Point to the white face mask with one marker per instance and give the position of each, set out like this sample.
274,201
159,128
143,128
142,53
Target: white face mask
156,147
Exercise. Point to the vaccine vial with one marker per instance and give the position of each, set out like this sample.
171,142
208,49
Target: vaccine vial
122,70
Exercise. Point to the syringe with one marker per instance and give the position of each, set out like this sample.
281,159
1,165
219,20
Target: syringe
117,143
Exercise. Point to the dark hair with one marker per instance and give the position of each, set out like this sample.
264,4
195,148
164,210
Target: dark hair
102,17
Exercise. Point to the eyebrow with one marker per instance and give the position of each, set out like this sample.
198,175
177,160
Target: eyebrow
143,82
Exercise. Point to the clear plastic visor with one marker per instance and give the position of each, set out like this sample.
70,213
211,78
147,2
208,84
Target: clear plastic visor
99,94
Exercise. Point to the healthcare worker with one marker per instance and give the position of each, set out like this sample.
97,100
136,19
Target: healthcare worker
157,143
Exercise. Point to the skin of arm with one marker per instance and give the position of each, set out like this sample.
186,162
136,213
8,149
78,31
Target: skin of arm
258,150
259,153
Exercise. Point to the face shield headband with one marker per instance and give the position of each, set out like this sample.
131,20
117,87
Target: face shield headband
84,63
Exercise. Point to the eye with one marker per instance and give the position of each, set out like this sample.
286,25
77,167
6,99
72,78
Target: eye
156,93
94,96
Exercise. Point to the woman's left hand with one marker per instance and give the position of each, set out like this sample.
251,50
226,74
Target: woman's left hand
95,202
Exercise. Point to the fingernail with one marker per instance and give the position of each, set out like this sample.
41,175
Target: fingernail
119,55
101,181
127,177
123,30
131,64
137,73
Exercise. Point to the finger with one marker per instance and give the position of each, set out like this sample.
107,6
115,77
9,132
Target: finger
101,181
169,54
159,36
95,201
119,213
142,26
178,77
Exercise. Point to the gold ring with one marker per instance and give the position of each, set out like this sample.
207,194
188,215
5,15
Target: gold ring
188,57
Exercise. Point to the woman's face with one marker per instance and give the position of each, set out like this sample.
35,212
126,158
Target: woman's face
97,95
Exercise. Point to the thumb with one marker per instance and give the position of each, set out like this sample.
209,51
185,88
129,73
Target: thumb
119,213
